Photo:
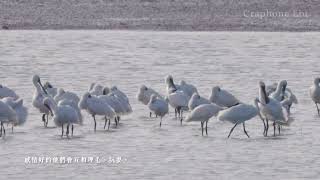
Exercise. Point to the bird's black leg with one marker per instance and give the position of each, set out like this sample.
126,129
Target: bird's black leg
62,130
202,128
150,114
95,123
160,121
44,119
289,107
264,126
244,129
47,121
318,109
105,122
207,128
267,125
109,124
181,115
67,133
232,129
72,130
175,112
279,129
274,128
12,129
1,129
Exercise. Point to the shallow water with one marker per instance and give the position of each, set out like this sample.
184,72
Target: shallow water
236,61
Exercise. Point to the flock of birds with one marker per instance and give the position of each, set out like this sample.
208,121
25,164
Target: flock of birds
273,104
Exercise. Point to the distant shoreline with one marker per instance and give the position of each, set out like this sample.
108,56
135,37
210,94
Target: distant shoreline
161,15
235,29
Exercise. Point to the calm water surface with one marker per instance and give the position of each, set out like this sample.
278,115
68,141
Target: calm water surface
236,61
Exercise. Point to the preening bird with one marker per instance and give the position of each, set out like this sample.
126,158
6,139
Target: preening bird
37,100
271,109
52,91
63,115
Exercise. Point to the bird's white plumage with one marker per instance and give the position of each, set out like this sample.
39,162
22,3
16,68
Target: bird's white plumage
38,96
115,103
188,89
197,100
52,91
203,112
67,95
20,110
96,106
158,106
278,94
238,114
178,99
270,108
7,114
96,89
75,106
7,92
222,97
62,114
144,94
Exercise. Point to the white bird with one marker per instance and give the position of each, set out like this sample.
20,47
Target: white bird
158,106
197,100
96,106
279,93
7,92
223,98
116,105
20,110
315,93
66,95
52,91
119,93
202,114
189,89
7,115
282,93
238,114
122,97
179,101
271,88
62,115
171,87
38,97
271,109
145,93
96,89
75,106
289,99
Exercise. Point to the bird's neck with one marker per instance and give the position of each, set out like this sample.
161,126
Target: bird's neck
263,98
